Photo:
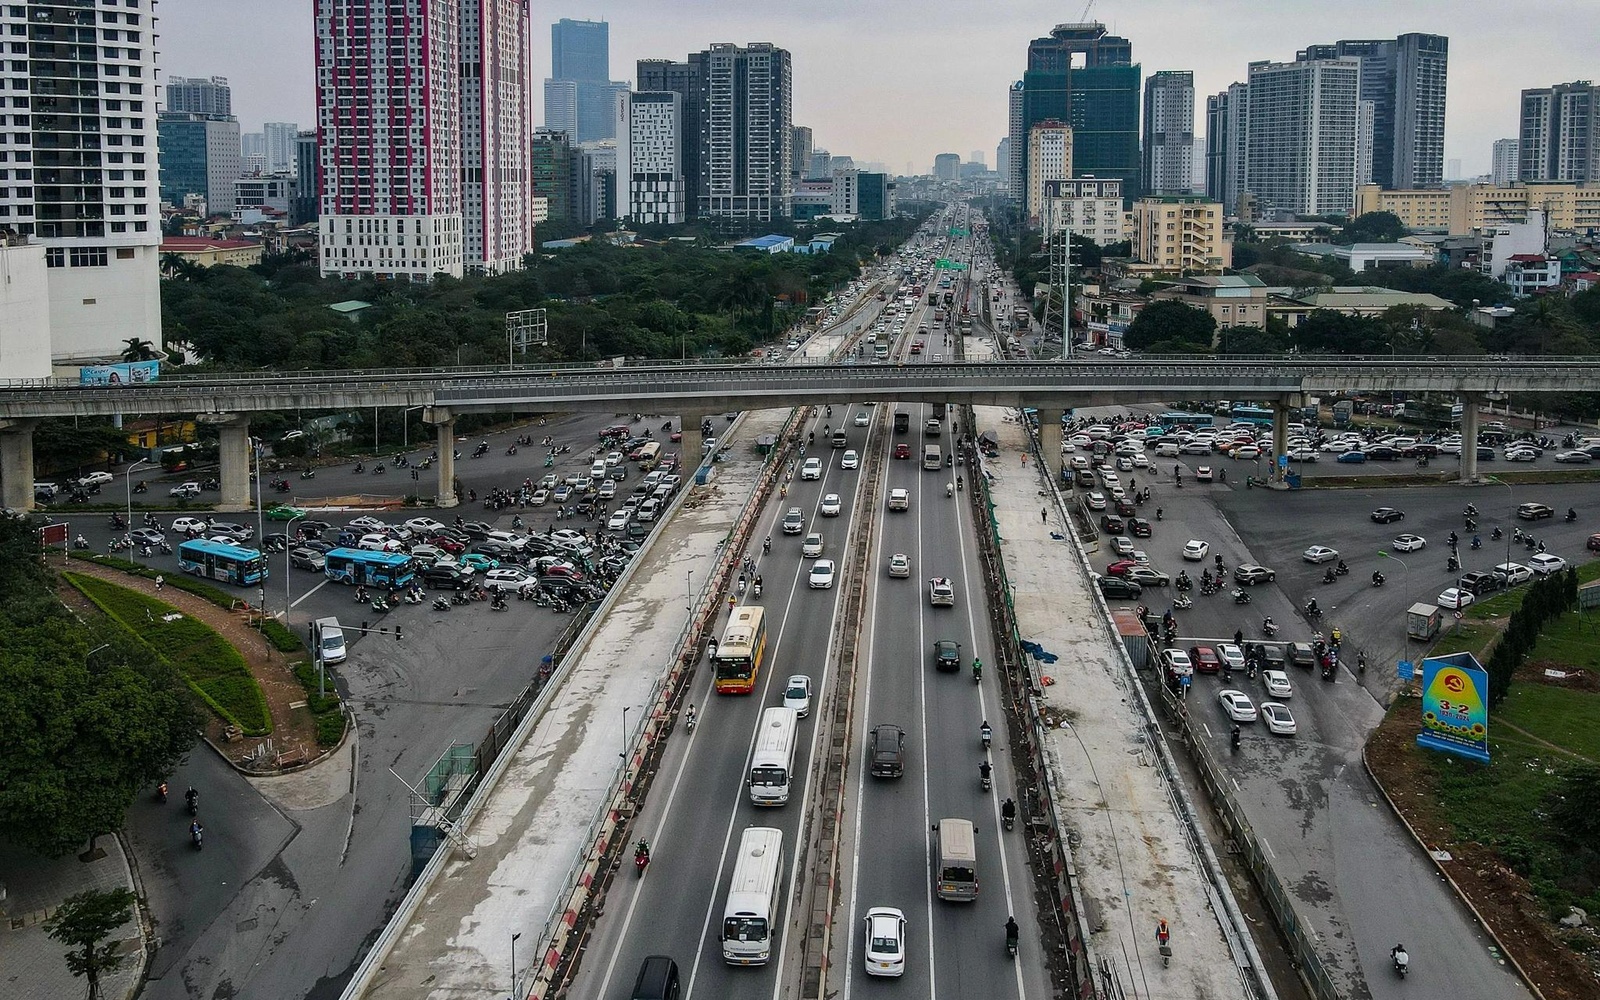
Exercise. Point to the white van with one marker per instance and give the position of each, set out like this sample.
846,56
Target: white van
1167,449
331,640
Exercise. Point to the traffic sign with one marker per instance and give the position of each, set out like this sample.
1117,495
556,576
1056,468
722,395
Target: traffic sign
1283,461
957,232
949,265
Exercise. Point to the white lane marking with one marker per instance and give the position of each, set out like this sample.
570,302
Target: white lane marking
308,593
927,794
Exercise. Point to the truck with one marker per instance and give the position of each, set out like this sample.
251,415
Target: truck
902,422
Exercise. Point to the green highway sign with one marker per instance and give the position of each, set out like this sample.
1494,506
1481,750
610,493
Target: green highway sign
957,232
949,265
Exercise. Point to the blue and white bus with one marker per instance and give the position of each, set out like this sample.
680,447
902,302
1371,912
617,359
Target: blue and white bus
219,561
1176,420
1258,415
360,568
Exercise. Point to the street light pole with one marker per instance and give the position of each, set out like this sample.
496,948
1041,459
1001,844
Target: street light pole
286,550
127,481
514,965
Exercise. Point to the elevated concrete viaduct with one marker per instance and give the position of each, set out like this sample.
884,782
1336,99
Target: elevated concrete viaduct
697,389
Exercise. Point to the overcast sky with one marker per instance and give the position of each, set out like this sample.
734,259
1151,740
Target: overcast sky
899,80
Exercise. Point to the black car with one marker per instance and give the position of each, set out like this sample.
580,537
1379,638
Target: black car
1118,588
1386,515
312,529
947,655
886,752
1302,655
1113,524
447,575
1382,453
318,545
275,542
497,550
1534,511
1272,656
1138,527
1124,507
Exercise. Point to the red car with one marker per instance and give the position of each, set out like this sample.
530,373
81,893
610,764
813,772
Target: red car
1205,659
1120,567
676,436
902,451
447,543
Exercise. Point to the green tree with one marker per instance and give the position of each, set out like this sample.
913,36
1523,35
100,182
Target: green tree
138,349
1252,340
1329,332
83,923
88,716
1373,227
1173,323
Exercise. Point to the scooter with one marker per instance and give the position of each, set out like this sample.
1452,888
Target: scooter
985,776
197,835
756,591
308,474
380,605
441,603
641,861
161,792
1183,602
1402,962
1240,596
142,487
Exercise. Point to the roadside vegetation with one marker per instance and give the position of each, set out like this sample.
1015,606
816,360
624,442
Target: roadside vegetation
203,658
89,714
1522,832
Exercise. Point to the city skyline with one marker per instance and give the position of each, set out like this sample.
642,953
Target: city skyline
839,51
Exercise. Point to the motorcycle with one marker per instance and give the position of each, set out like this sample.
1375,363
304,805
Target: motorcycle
1341,569
1377,579
756,590
1240,596
161,792
192,799
308,474
689,720
977,670
1312,611
197,835
1183,602
1011,945
441,603
381,605
1235,739
1477,543
1183,582
459,598
985,776
80,542
142,487
1008,813
378,470
1402,962
986,735
641,861
1329,577
1572,515
1269,628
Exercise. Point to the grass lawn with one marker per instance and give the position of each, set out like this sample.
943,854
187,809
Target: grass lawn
1569,719
1508,601
206,661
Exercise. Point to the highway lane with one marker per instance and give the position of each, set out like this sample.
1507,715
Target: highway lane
700,803
954,949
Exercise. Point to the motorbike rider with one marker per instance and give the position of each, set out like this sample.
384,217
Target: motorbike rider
1341,568
985,733
641,852
1235,737
1311,607
1377,578
1572,515
689,716
977,668
191,798
1013,932
1008,810
985,771
1268,625
1398,955
766,546
1328,576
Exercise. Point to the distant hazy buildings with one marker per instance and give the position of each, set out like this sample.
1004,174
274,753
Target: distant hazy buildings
199,95
79,181
200,154
947,167
1227,127
1504,159
1016,143
1560,134
1301,135
1086,78
550,164
580,98
800,145
648,159
687,79
279,145
1169,132
1050,158
1405,79
1002,159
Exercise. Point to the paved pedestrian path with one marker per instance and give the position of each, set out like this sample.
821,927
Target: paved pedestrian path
32,965
1135,865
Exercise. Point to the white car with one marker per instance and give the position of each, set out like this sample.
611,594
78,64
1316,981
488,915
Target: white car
608,489
1141,461
613,458
1521,455
811,468
97,479
619,520
941,592
507,577
830,505
1277,683
821,577
425,526
185,491
900,566
1545,563
540,498
1096,500
184,525
1409,543
1278,718
1195,550
1247,452
1125,464
567,538
1178,663
1237,704
1231,655
811,548
1455,598
850,460
380,543
1514,573
797,694
863,418
899,499
1319,554
886,941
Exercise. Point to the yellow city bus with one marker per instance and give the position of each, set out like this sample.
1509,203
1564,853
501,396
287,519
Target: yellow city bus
743,647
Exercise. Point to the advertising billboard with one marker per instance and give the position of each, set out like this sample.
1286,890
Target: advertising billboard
1455,706
125,373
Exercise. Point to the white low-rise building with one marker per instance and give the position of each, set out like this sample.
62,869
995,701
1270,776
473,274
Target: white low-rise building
24,309
1090,207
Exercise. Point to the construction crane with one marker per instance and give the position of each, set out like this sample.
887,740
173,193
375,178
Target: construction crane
1084,17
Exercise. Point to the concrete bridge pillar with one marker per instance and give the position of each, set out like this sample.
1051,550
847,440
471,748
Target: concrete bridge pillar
233,451
16,463
1280,440
692,447
1050,439
444,430
1469,437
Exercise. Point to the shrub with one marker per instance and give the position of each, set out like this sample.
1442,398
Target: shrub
325,709
283,638
203,658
